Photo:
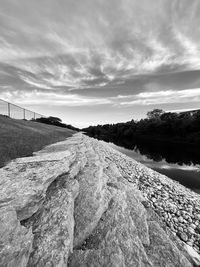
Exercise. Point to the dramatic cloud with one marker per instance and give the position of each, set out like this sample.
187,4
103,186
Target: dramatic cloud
114,54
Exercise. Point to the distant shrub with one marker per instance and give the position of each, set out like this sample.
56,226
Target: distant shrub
55,121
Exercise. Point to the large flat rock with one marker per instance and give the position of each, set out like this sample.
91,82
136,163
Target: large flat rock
24,181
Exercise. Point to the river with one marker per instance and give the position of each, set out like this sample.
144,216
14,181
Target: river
178,163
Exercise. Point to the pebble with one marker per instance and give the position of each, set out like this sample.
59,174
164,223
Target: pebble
153,199
183,236
191,230
180,219
180,229
175,219
193,225
189,220
175,204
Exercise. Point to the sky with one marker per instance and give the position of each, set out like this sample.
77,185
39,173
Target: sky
92,62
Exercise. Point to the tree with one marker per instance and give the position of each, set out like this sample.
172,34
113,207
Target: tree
50,120
54,120
155,114
169,116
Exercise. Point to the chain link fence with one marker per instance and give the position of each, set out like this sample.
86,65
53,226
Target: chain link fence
16,112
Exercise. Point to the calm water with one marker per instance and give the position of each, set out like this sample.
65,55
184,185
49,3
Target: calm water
178,163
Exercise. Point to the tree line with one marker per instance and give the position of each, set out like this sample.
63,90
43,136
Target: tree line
183,127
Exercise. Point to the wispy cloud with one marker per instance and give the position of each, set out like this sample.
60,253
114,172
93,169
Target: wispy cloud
53,99
88,52
62,99
163,97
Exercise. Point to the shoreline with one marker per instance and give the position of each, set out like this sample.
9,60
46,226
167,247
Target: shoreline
147,138
176,204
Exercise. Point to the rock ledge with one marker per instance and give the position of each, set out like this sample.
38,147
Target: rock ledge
81,203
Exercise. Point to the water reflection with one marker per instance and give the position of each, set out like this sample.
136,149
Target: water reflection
157,151
180,163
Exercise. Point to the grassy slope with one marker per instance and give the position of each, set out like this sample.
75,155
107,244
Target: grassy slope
20,138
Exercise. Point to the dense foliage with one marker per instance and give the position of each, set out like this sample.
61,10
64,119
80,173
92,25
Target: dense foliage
159,125
56,121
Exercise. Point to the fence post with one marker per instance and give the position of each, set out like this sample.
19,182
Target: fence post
11,111
8,109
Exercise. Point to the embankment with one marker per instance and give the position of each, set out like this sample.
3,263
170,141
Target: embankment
80,203
20,138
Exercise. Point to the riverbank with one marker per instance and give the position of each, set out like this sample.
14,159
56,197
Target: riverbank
81,203
173,152
178,206
171,163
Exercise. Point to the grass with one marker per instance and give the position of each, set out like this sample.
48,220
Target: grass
20,138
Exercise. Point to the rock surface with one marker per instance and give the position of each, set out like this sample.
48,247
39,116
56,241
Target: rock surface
15,240
81,203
